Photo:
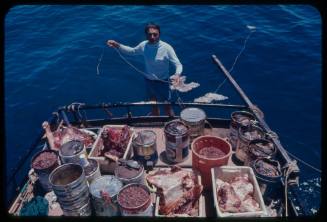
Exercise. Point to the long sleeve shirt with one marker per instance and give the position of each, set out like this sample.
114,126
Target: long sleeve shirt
157,57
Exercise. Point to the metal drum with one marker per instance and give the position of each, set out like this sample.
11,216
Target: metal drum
145,147
260,148
43,163
238,119
91,168
194,118
245,135
135,200
177,141
70,151
104,192
69,184
129,175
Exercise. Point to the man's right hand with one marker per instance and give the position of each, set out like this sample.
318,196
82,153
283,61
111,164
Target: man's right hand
113,43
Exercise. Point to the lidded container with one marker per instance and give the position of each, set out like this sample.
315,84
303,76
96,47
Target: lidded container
245,135
195,119
260,148
135,200
177,141
145,147
238,119
43,163
69,184
70,151
128,174
104,192
91,168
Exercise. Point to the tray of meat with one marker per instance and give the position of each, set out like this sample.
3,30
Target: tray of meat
236,192
113,143
178,192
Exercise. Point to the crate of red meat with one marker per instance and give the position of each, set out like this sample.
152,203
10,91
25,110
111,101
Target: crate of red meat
236,192
113,143
178,192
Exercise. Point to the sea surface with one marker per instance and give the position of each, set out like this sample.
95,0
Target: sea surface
52,53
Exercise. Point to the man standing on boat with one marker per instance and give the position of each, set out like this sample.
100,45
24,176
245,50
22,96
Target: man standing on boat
157,55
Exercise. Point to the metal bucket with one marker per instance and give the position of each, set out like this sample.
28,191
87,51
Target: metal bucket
260,148
130,175
194,118
135,200
269,178
105,204
43,163
177,141
145,147
245,135
92,170
69,184
238,119
70,151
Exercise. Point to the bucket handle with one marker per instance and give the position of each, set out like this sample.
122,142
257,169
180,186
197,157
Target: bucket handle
209,124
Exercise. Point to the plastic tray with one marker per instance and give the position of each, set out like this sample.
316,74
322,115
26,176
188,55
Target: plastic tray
225,173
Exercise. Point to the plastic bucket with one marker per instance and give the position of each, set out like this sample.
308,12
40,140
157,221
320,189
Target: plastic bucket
194,118
43,163
203,163
177,141
260,148
110,186
245,135
135,200
70,151
269,184
238,119
69,184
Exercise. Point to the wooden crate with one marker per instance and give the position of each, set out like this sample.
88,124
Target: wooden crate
108,166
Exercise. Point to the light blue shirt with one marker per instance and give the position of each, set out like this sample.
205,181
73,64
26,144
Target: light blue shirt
156,57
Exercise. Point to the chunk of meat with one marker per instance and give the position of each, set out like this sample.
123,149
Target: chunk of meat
242,186
227,199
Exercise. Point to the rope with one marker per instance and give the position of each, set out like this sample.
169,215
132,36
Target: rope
303,162
99,60
288,170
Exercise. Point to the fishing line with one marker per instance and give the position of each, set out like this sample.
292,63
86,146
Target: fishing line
99,60
252,30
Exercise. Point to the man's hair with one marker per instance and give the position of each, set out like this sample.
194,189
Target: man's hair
151,25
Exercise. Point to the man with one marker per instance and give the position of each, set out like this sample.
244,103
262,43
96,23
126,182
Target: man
157,55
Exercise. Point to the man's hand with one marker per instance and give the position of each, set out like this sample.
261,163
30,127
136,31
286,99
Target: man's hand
113,43
175,79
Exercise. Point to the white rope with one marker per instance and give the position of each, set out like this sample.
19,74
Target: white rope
302,161
99,61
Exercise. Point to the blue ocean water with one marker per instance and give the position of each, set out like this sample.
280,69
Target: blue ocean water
52,51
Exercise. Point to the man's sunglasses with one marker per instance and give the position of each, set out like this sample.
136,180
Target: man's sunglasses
154,34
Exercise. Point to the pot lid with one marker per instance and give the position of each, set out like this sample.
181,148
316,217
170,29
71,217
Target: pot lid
193,114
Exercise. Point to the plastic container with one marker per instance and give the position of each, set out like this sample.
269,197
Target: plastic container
69,184
43,163
110,185
226,173
202,163
238,119
135,200
194,118
177,141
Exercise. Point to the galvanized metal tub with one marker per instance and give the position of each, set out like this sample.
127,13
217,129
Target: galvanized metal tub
238,119
195,119
177,141
92,170
129,175
126,200
43,163
69,184
104,192
260,148
145,147
245,135
70,151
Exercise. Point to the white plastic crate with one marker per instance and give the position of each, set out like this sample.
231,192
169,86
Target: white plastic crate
226,173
